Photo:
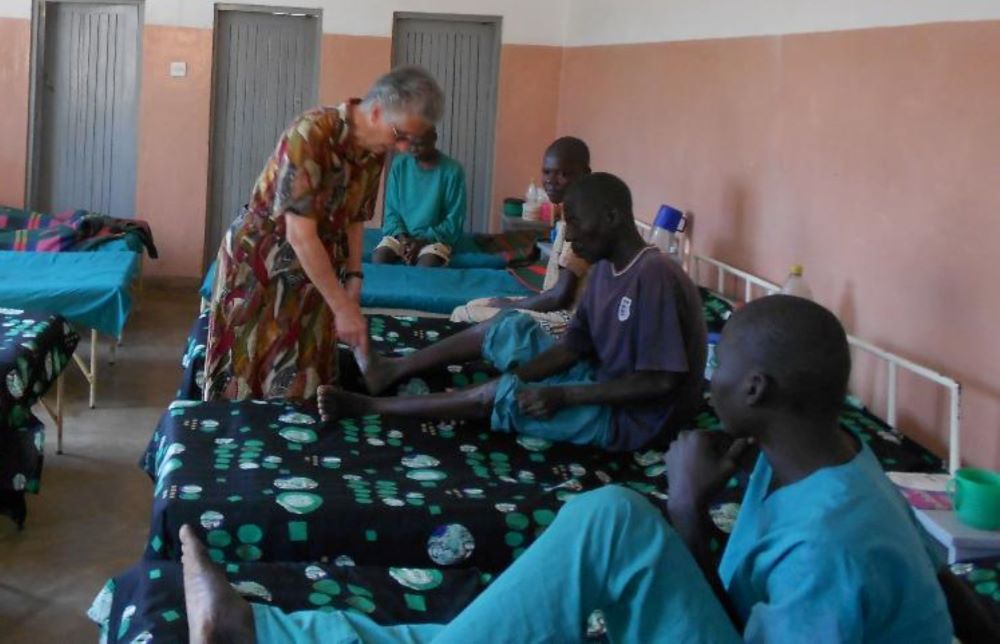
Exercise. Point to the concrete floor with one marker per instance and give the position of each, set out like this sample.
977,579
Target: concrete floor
91,518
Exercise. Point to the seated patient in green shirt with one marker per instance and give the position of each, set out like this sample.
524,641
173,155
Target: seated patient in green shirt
424,206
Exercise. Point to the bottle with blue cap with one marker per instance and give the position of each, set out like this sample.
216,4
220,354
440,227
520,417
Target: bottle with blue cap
666,232
711,362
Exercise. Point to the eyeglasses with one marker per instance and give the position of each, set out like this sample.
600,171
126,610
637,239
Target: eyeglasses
401,137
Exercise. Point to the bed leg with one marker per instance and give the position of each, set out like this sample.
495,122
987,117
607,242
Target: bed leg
113,347
93,368
59,414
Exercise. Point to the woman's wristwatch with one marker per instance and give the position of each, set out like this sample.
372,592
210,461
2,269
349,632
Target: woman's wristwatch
349,274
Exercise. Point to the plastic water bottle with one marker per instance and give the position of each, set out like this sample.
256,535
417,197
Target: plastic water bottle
665,232
532,203
795,284
711,362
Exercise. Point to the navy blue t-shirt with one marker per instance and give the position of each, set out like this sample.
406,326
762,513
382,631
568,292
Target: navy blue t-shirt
648,317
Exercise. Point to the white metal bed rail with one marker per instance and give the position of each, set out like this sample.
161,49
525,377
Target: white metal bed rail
893,362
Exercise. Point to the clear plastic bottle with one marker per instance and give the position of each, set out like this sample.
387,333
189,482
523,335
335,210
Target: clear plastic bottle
795,284
711,361
532,204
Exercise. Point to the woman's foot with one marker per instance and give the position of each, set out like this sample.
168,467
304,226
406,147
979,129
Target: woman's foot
216,613
380,374
335,403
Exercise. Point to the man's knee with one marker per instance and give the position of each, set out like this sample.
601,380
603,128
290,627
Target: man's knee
614,503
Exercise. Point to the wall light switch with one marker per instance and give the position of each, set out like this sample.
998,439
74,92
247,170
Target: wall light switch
178,69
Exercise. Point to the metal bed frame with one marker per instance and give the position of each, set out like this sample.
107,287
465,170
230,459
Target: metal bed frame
753,285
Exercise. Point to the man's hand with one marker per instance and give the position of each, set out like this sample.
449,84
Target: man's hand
412,249
541,402
698,464
501,303
352,329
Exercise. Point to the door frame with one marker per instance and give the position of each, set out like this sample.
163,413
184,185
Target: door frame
315,12
496,22
37,70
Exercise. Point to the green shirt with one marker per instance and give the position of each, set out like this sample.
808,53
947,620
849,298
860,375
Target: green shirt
425,203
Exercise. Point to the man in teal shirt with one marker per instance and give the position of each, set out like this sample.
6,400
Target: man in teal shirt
425,206
824,548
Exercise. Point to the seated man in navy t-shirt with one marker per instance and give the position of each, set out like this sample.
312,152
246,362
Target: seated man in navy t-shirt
630,367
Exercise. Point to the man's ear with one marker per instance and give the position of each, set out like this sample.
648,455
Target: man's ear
613,217
755,388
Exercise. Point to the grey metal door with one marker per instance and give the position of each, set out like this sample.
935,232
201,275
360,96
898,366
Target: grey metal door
266,73
462,52
89,93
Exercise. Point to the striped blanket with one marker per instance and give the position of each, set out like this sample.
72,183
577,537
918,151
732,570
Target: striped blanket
72,230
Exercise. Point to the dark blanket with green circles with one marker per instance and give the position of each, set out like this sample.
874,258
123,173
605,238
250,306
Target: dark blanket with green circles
269,482
34,350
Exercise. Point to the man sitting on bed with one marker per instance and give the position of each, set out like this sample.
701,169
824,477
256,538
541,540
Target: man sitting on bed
628,371
425,203
565,161
824,548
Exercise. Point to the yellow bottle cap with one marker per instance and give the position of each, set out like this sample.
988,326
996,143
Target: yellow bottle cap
796,270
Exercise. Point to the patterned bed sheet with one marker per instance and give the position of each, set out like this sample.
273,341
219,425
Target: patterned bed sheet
269,482
147,601
34,350
983,577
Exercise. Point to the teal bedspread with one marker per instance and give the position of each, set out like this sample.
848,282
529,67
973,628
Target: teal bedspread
88,289
434,290
425,289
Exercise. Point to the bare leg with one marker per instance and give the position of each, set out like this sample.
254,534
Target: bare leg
216,613
463,346
385,256
470,403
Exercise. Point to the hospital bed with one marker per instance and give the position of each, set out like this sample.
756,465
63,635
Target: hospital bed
483,254
34,351
357,468
91,290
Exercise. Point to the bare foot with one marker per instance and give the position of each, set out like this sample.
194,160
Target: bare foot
381,373
216,613
335,403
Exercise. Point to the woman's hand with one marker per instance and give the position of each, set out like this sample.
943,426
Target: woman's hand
351,326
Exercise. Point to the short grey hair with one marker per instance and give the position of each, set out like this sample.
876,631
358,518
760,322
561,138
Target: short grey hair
407,91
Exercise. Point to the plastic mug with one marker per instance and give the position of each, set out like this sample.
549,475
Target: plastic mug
975,493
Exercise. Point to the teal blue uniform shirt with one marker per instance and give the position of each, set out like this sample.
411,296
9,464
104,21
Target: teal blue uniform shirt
425,203
835,557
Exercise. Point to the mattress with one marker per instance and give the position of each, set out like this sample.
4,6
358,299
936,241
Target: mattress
88,289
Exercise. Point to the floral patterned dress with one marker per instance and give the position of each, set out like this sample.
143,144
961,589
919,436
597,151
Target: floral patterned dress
271,334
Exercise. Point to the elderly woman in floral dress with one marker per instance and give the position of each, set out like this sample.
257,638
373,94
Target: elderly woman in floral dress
288,283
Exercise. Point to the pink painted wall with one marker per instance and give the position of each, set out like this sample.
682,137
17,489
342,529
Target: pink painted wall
15,54
528,102
173,146
871,156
